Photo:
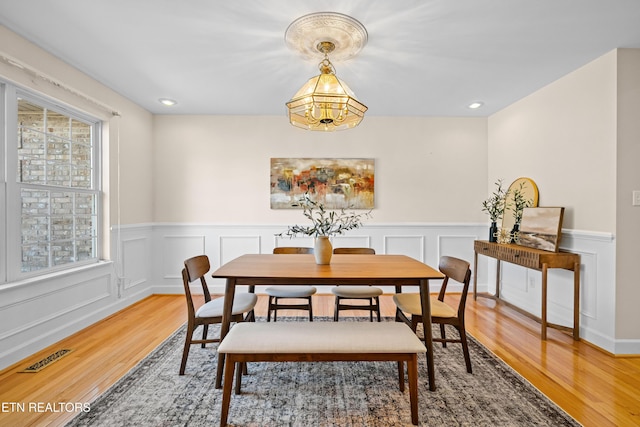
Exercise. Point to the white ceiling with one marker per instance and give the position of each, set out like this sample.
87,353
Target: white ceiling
423,58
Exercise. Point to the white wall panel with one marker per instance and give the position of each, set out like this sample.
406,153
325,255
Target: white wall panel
77,299
175,249
135,265
351,242
412,246
232,247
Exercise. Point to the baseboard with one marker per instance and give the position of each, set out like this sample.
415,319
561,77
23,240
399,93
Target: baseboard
18,355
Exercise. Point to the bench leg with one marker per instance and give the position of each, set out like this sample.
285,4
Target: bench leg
412,369
239,371
401,375
229,368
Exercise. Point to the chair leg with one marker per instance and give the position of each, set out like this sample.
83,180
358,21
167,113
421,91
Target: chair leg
443,335
275,309
378,308
239,369
401,375
370,309
465,348
269,309
336,309
187,345
310,310
205,331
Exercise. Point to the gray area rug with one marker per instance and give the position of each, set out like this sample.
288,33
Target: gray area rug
321,394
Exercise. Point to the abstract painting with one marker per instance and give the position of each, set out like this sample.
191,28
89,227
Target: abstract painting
337,183
541,228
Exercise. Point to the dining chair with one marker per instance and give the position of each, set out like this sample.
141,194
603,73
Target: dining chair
211,311
441,313
371,294
276,293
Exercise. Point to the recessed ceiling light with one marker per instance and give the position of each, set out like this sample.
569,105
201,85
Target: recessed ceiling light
476,104
168,102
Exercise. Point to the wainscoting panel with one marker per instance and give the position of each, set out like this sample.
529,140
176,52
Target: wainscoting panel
352,242
232,247
40,312
176,249
412,246
589,289
149,257
522,287
135,265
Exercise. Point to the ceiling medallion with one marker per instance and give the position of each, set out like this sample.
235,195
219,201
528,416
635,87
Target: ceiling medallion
347,34
326,103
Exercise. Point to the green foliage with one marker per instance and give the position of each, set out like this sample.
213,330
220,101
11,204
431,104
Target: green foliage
495,205
324,223
519,203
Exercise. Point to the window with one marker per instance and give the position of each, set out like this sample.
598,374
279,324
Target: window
54,198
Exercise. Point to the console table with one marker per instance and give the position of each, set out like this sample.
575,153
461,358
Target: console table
535,259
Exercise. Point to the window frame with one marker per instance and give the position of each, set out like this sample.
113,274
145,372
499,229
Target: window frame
11,200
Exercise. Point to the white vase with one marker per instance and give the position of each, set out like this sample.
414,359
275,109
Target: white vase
323,250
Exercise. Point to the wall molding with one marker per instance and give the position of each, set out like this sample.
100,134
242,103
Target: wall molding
150,258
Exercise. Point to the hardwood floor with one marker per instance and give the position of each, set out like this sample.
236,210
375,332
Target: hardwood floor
594,387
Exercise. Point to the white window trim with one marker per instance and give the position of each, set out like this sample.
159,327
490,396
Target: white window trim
10,230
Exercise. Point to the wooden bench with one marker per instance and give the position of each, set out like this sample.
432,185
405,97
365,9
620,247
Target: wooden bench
321,342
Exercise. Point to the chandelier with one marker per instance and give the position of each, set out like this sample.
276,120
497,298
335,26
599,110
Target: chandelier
326,103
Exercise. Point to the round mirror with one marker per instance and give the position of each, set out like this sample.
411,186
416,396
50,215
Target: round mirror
523,192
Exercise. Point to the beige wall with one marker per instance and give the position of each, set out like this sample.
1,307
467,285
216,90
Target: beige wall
128,139
628,179
564,138
216,169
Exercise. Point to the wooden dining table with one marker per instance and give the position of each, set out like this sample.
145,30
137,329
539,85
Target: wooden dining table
283,269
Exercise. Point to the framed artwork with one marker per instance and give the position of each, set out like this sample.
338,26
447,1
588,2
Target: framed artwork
541,228
337,183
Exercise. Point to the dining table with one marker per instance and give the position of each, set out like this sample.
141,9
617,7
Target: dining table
294,269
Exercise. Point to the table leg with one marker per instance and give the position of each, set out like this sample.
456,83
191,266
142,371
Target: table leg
229,293
543,317
428,333
497,293
475,275
576,301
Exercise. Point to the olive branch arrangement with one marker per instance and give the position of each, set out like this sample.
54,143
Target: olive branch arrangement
324,222
519,203
495,205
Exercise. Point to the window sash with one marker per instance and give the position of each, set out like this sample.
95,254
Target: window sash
64,222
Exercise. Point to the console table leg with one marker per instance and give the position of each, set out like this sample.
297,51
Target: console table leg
576,301
543,317
498,280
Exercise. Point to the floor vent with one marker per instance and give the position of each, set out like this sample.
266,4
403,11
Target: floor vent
38,366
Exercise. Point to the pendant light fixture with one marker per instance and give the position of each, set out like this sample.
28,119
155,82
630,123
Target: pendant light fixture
325,103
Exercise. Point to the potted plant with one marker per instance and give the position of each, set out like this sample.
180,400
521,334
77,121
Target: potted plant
495,206
519,203
324,224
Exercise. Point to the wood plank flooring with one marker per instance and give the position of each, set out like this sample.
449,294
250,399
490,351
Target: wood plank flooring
591,385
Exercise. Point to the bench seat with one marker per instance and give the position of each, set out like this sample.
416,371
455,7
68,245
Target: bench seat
321,342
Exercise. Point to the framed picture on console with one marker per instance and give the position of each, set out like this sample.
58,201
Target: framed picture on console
541,228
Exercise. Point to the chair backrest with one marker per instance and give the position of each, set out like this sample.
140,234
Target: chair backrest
355,251
292,250
458,270
195,268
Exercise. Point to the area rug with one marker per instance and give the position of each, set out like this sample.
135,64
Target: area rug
321,394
